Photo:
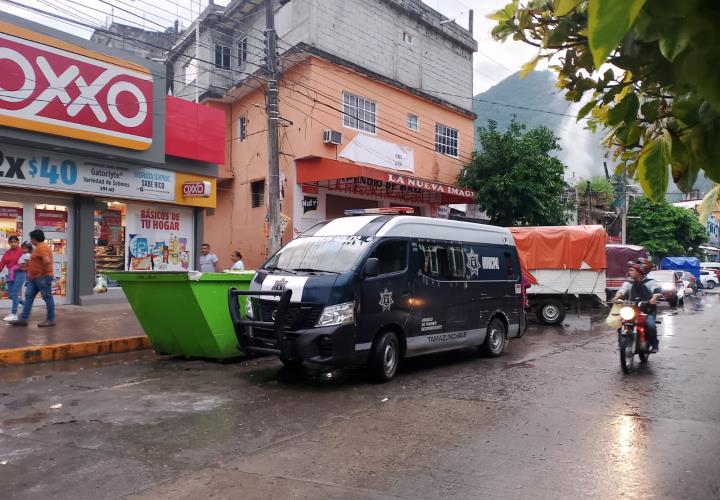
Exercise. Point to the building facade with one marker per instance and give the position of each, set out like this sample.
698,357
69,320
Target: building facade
373,117
94,153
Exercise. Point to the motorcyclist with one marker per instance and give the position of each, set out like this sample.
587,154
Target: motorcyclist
639,288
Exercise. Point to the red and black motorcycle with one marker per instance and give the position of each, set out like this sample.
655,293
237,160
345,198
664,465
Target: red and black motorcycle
632,335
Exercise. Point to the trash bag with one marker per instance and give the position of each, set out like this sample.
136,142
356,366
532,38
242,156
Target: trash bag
614,320
100,284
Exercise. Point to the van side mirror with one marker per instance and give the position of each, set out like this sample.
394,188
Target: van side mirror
372,267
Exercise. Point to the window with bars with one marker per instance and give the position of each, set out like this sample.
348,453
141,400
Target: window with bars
446,140
242,129
222,56
242,51
413,122
257,193
359,113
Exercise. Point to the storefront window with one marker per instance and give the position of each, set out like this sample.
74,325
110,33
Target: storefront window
109,228
53,221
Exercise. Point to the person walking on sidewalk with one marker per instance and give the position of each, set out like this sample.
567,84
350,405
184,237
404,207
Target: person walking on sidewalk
208,260
40,279
10,259
19,278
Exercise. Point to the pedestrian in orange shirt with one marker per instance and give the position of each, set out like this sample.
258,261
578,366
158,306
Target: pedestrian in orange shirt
40,278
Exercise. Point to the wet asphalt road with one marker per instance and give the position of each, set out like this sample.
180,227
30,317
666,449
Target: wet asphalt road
552,418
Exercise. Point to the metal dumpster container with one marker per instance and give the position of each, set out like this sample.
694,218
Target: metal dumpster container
185,316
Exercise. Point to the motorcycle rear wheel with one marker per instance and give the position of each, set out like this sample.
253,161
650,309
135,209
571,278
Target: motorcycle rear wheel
627,352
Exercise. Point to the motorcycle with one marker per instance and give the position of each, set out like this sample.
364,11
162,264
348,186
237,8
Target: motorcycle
632,334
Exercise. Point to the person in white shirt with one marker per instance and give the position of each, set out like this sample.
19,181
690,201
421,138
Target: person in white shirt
208,260
238,265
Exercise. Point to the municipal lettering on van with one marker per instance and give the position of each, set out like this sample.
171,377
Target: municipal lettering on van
53,87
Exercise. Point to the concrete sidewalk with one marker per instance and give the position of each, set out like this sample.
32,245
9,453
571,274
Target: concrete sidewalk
80,331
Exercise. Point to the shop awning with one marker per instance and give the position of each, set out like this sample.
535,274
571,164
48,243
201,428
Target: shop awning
357,179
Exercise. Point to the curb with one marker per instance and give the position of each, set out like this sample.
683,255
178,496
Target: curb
60,352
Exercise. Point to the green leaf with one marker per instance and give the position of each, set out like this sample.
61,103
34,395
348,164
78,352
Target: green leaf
652,170
529,66
563,7
674,42
608,21
585,110
504,14
649,110
624,111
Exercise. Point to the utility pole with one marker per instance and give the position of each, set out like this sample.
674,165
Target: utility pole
271,96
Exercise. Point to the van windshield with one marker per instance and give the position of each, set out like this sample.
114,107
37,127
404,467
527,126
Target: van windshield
333,254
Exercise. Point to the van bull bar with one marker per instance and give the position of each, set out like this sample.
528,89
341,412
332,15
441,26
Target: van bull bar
241,325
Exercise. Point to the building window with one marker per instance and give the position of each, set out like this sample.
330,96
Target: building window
359,113
446,140
222,56
407,38
413,122
242,129
242,51
257,193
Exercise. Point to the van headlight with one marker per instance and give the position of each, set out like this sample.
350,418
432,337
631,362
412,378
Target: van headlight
339,314
627,313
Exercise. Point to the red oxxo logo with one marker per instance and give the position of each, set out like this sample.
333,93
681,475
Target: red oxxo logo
200,189
50,86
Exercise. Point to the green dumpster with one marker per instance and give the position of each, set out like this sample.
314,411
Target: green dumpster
183,316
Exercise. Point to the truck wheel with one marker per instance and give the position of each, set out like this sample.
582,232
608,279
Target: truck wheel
494,343
385,357
550,312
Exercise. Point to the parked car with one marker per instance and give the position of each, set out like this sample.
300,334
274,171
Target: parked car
713,267
673,288
708,279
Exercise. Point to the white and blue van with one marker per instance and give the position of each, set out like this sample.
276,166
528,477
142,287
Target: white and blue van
373,289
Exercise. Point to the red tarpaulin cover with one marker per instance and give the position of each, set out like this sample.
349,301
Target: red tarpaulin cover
561,247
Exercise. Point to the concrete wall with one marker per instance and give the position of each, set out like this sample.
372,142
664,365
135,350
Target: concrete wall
368,33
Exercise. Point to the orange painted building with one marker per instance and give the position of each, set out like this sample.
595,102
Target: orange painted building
398,147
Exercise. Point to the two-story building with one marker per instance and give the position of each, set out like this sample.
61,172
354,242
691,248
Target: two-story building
376,104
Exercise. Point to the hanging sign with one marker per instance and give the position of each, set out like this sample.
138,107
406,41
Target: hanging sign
53,87
30,169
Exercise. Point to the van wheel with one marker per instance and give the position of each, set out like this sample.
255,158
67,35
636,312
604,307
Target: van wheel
494,343
385,357
550,312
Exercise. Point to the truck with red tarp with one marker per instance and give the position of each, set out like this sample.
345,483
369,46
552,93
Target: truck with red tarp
568,264
617,258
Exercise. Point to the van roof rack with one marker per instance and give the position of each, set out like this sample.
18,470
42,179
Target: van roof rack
380,211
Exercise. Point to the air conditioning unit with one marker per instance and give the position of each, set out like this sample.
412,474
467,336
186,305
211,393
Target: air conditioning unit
332,137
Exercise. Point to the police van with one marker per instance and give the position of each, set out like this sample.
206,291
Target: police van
375,288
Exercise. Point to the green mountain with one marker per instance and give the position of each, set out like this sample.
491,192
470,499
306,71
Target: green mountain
521,97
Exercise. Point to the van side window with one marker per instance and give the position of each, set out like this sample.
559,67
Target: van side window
392,256
509,265
442,261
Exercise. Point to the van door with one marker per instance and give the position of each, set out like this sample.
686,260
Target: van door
440,295
385,298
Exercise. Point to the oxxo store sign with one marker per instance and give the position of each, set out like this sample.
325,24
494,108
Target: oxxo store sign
53,87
